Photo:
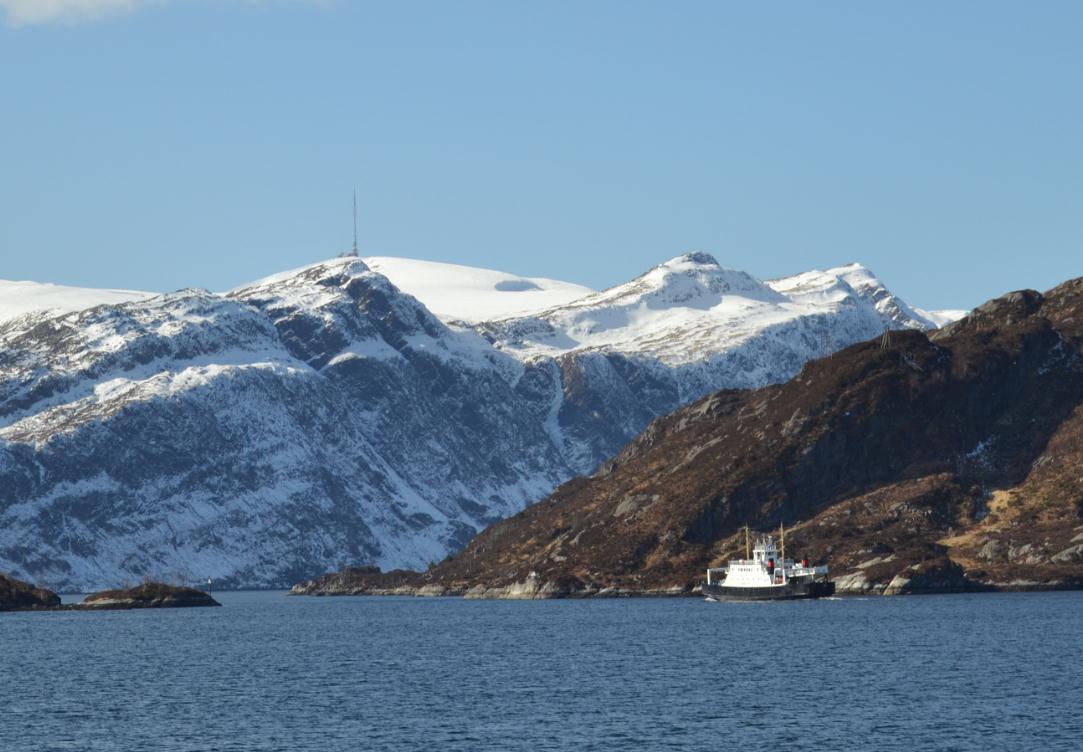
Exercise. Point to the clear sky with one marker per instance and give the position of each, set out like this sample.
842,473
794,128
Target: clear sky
171,143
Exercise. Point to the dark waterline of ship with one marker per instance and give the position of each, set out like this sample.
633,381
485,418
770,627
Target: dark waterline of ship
267,672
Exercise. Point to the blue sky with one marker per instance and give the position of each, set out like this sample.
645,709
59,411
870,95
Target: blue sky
204,143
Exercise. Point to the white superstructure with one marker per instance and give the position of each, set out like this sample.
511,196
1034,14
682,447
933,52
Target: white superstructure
764,567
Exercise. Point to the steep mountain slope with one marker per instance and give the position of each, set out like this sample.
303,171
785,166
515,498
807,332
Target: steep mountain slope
322,417
907,462
255,437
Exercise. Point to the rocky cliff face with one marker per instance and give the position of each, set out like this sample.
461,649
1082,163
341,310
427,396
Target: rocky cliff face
907,463
323,418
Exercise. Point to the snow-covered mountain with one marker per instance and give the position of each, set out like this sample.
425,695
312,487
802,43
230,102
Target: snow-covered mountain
324,417
690,307
611,362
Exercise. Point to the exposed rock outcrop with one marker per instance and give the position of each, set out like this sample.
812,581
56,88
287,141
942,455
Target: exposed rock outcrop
16,595
364,581
22,596
937,576
148,595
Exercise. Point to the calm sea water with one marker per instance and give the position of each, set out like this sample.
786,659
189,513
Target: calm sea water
267,672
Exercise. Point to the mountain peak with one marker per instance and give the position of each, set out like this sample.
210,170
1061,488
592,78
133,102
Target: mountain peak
693,258
692,276
336,268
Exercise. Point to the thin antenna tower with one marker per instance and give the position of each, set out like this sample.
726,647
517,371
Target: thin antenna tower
354,222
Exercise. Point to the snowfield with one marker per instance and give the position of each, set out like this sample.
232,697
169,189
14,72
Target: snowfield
377,411
17,298
472,295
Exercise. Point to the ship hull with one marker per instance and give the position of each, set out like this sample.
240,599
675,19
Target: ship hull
789,591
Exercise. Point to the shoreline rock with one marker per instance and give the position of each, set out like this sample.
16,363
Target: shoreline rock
932,577
147,595
16,595
362,581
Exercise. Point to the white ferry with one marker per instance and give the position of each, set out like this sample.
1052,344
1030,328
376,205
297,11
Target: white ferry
766,574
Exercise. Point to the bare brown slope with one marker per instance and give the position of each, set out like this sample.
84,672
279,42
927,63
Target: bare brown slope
906,463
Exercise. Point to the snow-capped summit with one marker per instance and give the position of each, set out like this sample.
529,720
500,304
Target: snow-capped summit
348,266
690,308
853,280
693,280
839,283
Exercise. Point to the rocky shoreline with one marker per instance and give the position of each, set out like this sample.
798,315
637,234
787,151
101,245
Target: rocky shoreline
926,578
16,595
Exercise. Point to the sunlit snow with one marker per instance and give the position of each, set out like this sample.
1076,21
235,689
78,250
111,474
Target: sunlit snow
17,298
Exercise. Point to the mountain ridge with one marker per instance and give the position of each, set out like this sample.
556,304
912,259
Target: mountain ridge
323,417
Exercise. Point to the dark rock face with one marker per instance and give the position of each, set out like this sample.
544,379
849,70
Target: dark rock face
16,595
148,595
22,596
936,463
932,576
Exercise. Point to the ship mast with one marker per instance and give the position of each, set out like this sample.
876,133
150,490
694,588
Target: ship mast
748,544
782,541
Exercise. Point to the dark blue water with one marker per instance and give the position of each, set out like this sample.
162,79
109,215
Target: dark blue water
267,672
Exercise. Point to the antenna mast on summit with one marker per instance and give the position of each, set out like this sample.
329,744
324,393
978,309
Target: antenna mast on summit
354,221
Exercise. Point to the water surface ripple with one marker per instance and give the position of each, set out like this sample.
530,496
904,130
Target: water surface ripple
268,672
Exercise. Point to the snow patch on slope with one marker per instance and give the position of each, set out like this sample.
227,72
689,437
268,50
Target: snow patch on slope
472,295
942,318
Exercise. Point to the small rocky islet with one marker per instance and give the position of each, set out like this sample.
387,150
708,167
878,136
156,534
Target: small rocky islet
16,595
